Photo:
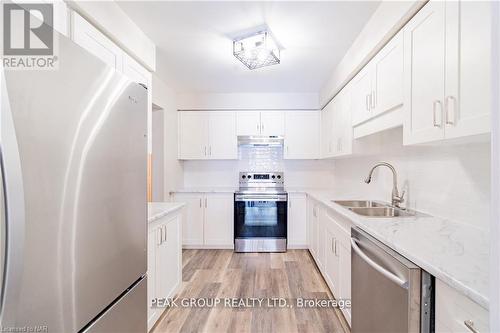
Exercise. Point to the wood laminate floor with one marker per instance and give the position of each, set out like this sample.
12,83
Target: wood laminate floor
223,274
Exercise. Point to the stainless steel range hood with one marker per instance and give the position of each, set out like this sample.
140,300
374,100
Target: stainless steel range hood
260,141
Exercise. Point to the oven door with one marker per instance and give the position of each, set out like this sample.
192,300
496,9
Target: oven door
262,217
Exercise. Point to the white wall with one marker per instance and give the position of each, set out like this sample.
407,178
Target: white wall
387,20
449,181
165,97
254,101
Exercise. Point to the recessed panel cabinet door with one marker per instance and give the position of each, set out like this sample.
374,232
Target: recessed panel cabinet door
301,135
219,219
424,53
327,129
193,135
272,123
388,76
468,68
248,123
87,36
361,91
297,215
192,228
223,140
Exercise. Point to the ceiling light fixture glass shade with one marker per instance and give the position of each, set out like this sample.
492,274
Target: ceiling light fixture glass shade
257,50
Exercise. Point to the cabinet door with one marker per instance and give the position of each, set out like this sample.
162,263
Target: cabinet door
424,53
248,123
332,268
301,135
153,242
171,257
272,123
192,228
219,218
297,216
322,239
361,91
344,255
468,68
193,135
327,129
344,123
223,139
94,41
388,77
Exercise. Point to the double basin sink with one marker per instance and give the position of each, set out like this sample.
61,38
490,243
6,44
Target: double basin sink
373,208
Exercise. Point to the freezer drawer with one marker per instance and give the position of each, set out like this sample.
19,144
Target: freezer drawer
127,315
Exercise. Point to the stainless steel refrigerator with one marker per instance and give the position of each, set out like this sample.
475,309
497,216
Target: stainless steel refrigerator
73,174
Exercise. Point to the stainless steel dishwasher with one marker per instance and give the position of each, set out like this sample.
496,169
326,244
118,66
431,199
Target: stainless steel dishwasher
390,294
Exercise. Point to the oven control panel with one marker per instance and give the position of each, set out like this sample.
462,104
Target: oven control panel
261,179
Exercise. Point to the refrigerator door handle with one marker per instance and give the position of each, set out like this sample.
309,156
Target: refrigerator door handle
13,219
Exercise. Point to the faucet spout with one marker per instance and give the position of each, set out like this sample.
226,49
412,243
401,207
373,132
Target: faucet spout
396,198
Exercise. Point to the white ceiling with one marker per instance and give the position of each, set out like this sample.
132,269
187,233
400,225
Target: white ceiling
194,41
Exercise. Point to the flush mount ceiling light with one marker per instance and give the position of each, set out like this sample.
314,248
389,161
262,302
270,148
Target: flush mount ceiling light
257,50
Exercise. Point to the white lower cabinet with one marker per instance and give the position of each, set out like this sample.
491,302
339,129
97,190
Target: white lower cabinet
329,243
455,311
297,217
164,262
208,221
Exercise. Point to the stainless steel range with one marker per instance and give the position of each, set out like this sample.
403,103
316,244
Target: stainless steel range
260,213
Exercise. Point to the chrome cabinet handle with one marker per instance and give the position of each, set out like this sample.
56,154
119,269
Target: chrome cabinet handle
200,202
205,153
333,245
262,127
165,233
159,236
210,151
470,325
206,202
450,120
258,127
377,267
434,118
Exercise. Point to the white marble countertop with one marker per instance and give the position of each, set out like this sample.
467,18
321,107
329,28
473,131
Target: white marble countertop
206,190
454,253
157,210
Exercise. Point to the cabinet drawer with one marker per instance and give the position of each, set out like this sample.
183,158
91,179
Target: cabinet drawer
453,309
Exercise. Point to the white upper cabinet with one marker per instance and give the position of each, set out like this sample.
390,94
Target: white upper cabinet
272,123
424,74
193,135
327,127
207,135
447,71
248,123
336,126
468,68
387,89
260,123
87,36
301,135
223,143
136,71
361,95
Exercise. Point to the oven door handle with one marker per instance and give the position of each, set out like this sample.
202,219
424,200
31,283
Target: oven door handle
272,198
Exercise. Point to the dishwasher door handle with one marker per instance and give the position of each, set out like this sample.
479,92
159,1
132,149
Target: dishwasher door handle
377,267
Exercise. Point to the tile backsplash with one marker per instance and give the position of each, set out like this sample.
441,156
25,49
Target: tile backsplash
261,158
